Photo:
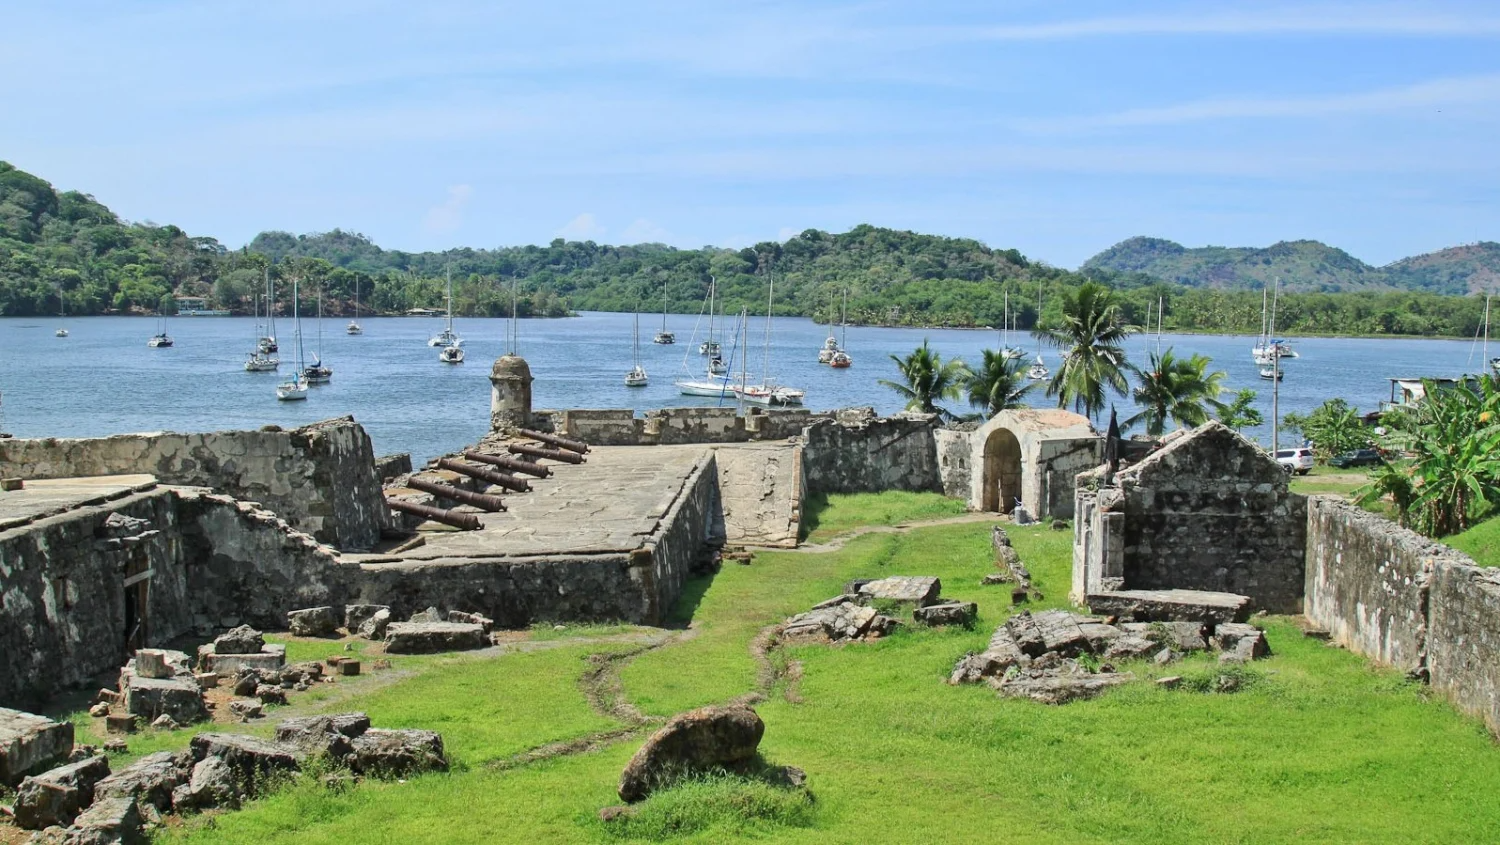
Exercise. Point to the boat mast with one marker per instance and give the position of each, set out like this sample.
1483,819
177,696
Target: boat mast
297,329
1484,359
1004,322
1275,374
844,318
765,375
449,271
320,323
270,306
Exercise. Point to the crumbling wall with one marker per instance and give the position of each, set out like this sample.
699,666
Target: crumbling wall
320,478
681,541
724,424
954,464
1058,463
1367,581
859,452
247,566
63,618
1098,539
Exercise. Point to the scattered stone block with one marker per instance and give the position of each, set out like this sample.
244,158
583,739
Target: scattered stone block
110,821
247,709
349,668
845,621
1129,647
1164,657
1171,606
30,744
1170,681
1240,643
314,732
11,485
152,663
431,637
251,759
306,673
994,578
1178,636
107,696
916,590
164,723
178,698
207,680
149,780
948,613
116,746
484,622
99,710
211,785
701,739
271,658
270,695
241,640
356,614
431,614
374,627
397,753
1060,685
313,622
57,796
1050,630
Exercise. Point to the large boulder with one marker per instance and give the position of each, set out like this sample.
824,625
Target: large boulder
330,736
947,613
431,637
397,753
373,628
241,640
149,780
57,797
699,740
180,698
110,821
356,615
31,743
915,590
313,622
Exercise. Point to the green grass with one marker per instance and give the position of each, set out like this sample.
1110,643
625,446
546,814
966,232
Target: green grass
1316,745
1482,542
825,516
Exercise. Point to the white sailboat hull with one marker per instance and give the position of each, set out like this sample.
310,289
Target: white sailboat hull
292,391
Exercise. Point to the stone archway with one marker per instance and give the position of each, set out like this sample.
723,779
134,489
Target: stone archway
1002,471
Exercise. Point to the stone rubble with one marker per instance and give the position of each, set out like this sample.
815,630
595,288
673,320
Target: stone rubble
56,797
239,649
1012,570
856,614
313,622
1034,655
696,741
31,743
431,637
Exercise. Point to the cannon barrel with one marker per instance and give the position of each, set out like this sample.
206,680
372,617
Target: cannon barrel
499,479
542,452
466,521
511,464
578,446
483,501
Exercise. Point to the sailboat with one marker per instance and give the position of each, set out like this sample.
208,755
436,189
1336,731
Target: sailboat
447,337
258,361
161,339
841,359
716,383
267,342
711,347
664,336
451,355
296,389
1038,369
637,375
768,392
316,372
829,348
354,327
62,314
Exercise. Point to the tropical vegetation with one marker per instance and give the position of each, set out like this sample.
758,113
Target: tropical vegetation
65,251
1173,389
1333,428
1091,332
999,383
927,379
1241,412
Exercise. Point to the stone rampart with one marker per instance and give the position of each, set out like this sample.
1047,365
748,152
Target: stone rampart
670,426
320,478
1367,582
1463,637
859,452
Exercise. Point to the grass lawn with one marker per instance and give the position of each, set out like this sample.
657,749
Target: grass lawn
829,516
1482,542
1330,480
1320,748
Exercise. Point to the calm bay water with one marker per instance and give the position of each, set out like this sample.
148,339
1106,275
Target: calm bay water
104,380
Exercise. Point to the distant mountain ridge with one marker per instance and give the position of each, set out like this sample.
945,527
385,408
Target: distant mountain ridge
1310,266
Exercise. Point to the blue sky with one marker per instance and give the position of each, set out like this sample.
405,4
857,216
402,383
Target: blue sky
1057,129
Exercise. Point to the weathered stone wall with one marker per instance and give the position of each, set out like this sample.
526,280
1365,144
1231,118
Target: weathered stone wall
954,465
63,616
859,452
1463,637
1098,540
1030,454
1058,463
247,566
1211,511
1367,581
637,587
320,478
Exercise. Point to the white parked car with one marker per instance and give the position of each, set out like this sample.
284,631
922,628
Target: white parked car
1298,460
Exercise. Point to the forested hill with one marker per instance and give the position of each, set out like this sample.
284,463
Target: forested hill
64,252
1301,266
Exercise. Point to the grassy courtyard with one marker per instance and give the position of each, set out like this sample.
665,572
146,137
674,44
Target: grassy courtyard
1318,747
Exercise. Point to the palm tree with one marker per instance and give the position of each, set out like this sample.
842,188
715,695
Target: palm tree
999,384
1092,333
1181,390
928,378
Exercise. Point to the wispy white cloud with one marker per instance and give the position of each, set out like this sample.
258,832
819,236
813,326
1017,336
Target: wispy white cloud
584,227
643,231
1423,95
449,215
1350,20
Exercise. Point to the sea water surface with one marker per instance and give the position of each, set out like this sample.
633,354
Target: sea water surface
103,379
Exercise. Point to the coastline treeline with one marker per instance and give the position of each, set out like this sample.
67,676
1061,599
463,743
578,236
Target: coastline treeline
64,252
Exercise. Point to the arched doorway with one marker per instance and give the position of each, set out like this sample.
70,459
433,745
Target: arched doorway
1002,471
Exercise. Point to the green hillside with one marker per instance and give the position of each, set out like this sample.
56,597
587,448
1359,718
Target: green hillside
1300,265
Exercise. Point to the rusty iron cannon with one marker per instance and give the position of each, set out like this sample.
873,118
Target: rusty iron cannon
542,452
512,464
578,446
483,501
495,477
457,519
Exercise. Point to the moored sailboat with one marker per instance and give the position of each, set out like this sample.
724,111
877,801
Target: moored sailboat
354,327
664,336
296,388
768,392
637,376
317,372
447,337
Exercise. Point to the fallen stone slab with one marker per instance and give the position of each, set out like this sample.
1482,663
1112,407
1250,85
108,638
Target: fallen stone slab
252,759
30,744
484,622
916,590
179,698
1059,688
149,780
241,640
160,663
1178,636
841,622
397,753
1171,606
374,627
1050,630
110,821
431,637
269,658
327,735
1130,647
1240,643
695,741
947,613
212,785
313,622
57,796
356,614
